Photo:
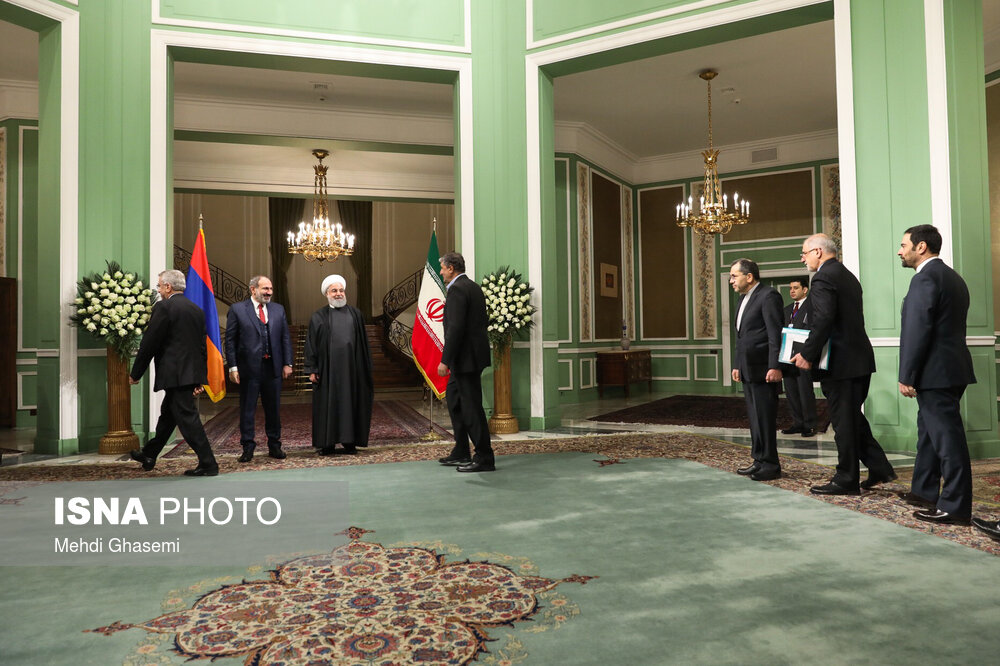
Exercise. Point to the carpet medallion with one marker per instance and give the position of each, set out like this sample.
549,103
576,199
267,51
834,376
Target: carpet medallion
362,603
393,422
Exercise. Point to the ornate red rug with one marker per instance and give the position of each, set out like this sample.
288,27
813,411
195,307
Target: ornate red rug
362,603
393,422
706,411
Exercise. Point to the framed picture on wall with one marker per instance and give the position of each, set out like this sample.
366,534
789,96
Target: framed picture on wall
609,280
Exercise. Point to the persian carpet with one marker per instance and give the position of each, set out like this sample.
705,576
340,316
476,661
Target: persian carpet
362,603
707,411
393,422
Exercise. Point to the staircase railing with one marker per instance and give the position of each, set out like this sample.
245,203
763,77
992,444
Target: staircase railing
395,302
228,288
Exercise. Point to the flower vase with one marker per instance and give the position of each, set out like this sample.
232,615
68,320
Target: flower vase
119,438
626,342
503,422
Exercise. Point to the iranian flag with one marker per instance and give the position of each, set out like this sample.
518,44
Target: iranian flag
428,327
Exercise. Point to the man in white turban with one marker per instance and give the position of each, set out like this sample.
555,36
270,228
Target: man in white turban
339,364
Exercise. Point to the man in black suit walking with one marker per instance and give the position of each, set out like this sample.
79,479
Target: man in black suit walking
799,383
259,354
466,354
935,367
758,339
175,339
838,319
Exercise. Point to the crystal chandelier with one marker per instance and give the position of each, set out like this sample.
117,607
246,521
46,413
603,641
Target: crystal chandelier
714,214
320,240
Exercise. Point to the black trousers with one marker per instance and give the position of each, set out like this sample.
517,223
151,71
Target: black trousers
853,434
942,452
180,410
801,400
762,411
268,388
468,418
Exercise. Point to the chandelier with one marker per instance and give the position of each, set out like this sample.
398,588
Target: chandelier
714,213
320,240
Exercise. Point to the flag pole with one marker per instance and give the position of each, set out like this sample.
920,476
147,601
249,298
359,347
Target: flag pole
431,435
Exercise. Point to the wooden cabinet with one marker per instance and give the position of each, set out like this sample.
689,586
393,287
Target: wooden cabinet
623,368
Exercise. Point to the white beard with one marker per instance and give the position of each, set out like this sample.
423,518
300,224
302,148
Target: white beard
337,302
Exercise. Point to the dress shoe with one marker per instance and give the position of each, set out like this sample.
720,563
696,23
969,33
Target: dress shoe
247,456
832,489
990,528
808,432
140,457
202,471
749,469
276,452
791,431
766,476
939,517
916,500
327,450
477,467
874,480
454,460
345,452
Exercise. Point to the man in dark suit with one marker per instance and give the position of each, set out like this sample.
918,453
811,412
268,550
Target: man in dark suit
758,339
259,354
175,340
838,319
799,383
935,367
466,354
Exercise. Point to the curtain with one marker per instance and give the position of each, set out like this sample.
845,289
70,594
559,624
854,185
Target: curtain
284,215
356,216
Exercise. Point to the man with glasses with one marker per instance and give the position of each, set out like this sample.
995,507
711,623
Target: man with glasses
175,341
838,318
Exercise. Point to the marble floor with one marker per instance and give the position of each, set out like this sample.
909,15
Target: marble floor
575,423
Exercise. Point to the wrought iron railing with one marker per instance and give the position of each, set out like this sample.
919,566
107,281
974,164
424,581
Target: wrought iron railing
402,296
228,288
395,302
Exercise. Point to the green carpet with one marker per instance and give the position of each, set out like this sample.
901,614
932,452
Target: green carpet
691,565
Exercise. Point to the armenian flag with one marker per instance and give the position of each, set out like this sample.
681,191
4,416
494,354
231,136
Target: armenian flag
428,327
199,291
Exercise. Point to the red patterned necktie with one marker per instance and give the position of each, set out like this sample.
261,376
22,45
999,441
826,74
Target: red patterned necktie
794,310
260,312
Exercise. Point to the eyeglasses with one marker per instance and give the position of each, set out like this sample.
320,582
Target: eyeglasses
803,254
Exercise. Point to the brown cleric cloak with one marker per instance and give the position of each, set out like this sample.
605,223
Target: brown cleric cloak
337,350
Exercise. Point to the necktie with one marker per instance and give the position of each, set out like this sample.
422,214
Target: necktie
795,309
260,312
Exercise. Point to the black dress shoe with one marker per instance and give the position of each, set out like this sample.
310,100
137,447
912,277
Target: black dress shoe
477,467
140,457
766,476
247,456
327,450
808,432
749,469
940,517
454,460
345,452
276,452
202,471
832,489
989,527
874,480
916,500
791,431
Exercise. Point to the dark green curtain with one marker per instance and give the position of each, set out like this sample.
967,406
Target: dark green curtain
284,215
356,216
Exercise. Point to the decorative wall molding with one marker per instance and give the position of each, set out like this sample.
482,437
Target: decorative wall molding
18,99
20,389
715,361
830,197
584,241
588,369
628,261
687,367
569,364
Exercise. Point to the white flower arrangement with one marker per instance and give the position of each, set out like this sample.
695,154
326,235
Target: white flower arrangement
508,303
114,307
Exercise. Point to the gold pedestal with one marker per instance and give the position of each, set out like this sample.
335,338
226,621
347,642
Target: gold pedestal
503,422
119,438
